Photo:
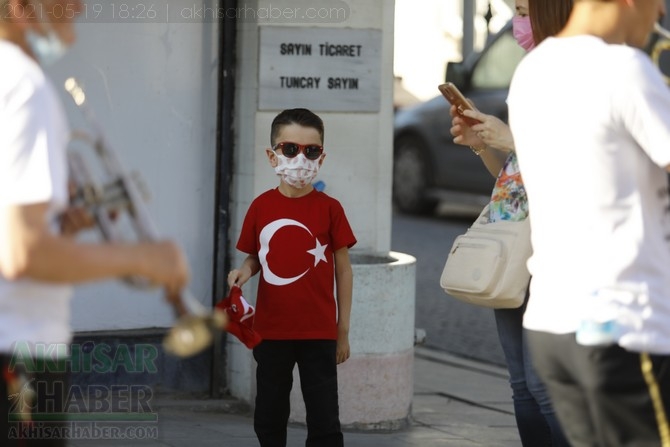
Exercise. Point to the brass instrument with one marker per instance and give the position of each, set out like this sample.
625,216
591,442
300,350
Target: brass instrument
119,200
663,44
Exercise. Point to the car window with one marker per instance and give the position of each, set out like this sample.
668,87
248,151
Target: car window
496,66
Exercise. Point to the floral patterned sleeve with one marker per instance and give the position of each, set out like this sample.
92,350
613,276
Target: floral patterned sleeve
508,199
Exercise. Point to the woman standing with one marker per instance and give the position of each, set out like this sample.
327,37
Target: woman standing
492,141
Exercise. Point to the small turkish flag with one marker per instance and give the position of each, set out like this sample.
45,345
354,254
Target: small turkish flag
240,316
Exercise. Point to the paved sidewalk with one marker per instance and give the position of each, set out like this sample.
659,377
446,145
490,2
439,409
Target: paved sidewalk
457,402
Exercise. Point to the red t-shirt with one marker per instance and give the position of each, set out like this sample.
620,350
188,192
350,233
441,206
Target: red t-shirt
295,240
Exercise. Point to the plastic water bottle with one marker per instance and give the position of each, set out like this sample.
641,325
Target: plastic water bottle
600,327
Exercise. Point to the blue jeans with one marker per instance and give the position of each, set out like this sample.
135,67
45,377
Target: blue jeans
535,417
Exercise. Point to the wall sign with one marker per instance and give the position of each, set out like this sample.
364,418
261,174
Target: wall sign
322,69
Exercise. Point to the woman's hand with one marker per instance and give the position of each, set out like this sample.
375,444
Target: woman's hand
462,132
491,131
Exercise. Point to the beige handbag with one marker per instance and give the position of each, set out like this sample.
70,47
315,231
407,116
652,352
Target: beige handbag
486,266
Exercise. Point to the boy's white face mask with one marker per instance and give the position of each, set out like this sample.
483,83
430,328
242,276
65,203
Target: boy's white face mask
298,171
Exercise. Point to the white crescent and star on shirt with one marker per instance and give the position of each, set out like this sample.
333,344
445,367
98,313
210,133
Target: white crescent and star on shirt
319,251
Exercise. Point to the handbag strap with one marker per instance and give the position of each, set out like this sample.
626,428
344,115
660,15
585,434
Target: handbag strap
485,216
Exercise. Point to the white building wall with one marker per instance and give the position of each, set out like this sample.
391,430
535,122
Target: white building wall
153,87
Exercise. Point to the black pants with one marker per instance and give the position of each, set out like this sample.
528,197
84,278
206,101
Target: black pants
604,396
25,422
318,379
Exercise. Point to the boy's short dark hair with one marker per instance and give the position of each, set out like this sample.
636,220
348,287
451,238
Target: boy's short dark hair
302,117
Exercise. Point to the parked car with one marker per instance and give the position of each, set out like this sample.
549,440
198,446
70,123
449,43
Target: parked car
427,163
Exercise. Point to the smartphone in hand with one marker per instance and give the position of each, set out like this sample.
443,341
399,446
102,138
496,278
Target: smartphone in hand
456,98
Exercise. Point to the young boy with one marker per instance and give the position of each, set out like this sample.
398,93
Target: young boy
299,238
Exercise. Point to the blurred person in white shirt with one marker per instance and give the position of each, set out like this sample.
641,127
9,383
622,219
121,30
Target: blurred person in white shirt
39,258
590,115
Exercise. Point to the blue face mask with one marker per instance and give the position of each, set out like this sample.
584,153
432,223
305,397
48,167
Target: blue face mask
47,48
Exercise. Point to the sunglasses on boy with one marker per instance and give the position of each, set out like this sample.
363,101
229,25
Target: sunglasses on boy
291,150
